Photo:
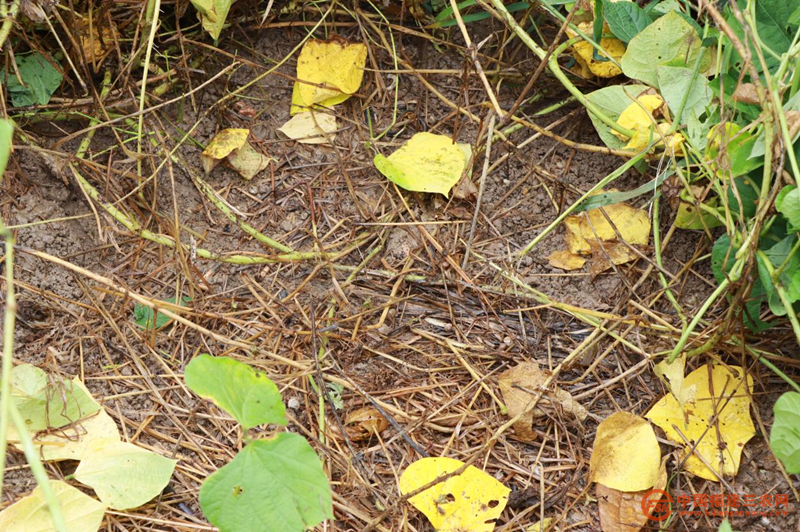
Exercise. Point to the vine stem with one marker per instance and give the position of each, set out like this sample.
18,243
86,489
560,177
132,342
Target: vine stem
687,331
9,409
143,95
552,64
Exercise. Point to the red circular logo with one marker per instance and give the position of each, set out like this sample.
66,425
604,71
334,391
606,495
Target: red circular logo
656,504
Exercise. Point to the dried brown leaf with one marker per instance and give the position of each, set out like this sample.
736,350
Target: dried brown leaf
363,423
519,386
746,93
621,511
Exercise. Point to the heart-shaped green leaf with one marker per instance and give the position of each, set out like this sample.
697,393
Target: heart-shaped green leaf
275,484
246,394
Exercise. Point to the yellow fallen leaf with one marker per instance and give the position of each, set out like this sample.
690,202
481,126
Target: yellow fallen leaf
519,385
223,144
565,260
626,456
730,401
231,146
31,514
70,442
540,526
622,511
611,47
673,377
633,225
427,162
96,39
470,501
604,254
248,161
310,128
328,73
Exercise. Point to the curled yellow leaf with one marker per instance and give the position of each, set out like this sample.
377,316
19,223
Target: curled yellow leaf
626,455
612,48
328,73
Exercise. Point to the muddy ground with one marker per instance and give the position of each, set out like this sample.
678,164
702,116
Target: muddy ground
427,350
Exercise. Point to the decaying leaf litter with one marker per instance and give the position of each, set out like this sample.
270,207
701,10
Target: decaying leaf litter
353,295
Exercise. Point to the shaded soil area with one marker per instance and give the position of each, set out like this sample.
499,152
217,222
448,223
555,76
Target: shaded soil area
404,322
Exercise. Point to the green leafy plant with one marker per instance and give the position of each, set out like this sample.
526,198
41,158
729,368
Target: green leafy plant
122,475
143,315
785,436
40,79
273,483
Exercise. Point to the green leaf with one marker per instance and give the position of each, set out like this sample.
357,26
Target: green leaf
688,216
669,40
723,255
794,18
625,19
735,158
788,204
212,13
785,435
742,188
40,78
664,7
675,82
143,315
123,475
612,101
275,484
31,514
48,402
772,19
789,278
244,393
725,526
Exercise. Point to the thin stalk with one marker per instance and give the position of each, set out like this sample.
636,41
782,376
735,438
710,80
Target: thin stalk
734,275
787,304
143,94
657,247
554,67
600,184
7,408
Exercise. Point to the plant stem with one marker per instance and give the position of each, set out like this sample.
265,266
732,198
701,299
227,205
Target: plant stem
735,273
9,409
787,304
657,247
569,210
552,64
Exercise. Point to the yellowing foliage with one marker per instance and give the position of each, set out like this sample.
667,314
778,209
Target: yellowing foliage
469,501
584,53
626,455
328,73
729,404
